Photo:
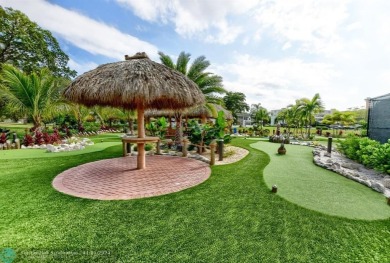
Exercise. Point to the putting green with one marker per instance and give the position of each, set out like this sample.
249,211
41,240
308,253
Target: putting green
42,153
300,181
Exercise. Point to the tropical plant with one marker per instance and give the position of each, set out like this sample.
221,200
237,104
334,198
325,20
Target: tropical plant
205,133
3,137
81,114
36,95
157,127
259,115
309,107
210,84
28,47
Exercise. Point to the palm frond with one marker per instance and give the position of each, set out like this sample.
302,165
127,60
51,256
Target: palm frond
198,67
166,60
182,62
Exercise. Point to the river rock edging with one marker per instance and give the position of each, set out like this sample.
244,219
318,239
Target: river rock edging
338,163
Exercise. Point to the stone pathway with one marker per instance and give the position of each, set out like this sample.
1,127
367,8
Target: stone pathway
118,179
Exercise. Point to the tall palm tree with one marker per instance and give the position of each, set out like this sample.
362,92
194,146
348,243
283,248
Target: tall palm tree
259,115
291,115
309,108
208,83
37,95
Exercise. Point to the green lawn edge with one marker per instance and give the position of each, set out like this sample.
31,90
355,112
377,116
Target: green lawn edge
231,217
300,181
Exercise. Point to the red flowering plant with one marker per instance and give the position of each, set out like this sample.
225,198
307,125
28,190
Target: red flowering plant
28,140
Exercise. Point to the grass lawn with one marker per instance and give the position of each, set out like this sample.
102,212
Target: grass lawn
232,217
300,181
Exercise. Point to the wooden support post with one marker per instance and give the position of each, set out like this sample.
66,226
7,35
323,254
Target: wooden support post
158,150
17,142
141,134
330,145
185,146
141,156
220,150
124,147
213,145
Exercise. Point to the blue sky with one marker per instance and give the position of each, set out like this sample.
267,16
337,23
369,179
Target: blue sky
274,51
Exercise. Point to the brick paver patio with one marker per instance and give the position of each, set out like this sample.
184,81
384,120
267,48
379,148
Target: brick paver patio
118,179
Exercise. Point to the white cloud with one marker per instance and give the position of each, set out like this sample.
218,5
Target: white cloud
279,83
314,24
286,46
196,18
82,31
81,67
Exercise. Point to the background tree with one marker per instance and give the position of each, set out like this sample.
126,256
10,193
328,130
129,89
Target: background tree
208,83
28,47
309,107
37,95
259,115
291,116
235,102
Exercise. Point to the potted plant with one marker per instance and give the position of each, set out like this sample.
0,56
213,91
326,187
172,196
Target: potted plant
282,149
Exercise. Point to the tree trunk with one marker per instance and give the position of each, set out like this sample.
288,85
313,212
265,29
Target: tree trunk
178,132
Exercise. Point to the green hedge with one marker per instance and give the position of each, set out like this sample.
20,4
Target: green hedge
368,152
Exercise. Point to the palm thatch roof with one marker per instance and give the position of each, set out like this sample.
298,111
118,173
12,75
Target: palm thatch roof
208,110
137,82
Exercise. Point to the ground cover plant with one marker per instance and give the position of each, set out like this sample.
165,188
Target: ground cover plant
232,217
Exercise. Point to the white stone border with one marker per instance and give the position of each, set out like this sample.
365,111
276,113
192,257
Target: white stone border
338,163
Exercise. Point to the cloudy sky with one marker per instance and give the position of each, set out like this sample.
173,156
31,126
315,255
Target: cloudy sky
274,51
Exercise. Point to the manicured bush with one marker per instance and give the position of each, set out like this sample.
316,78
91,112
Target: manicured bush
368,152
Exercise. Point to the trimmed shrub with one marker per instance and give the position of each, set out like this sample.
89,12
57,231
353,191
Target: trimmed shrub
368,152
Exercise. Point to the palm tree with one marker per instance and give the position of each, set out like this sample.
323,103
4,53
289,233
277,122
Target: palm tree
80,112
309,108
291,116
37,95
208,83
259,115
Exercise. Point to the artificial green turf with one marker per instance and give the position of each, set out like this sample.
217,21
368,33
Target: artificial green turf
232,217
300,181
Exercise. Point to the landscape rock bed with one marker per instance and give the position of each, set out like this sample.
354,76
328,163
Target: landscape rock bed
71,144
338,163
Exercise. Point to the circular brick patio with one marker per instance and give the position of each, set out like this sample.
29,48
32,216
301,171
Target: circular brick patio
118,179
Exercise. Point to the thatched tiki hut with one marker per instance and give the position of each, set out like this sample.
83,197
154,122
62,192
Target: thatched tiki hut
137,83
